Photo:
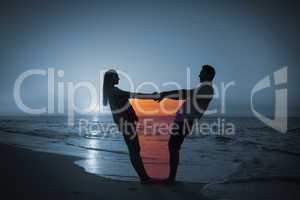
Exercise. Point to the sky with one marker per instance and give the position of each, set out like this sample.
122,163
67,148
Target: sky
152,41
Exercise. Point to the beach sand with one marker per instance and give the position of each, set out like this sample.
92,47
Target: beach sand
27,174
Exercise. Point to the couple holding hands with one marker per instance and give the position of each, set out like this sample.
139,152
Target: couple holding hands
196,101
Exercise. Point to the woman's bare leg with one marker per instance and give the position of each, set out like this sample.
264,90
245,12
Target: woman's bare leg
133,145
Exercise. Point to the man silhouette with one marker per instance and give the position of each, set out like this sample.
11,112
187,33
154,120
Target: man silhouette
196,102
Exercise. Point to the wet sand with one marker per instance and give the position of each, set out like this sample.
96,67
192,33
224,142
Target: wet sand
27,174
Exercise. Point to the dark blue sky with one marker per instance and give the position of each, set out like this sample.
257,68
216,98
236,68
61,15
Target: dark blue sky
152,41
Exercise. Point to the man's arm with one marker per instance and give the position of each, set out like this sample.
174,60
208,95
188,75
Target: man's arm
136,95
176,94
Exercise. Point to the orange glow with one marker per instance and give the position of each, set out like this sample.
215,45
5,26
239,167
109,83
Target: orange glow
154,145
155,155
167,107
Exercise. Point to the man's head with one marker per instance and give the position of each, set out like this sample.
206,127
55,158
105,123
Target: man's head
207,73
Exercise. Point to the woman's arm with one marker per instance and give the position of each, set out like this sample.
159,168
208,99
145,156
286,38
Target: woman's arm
137,95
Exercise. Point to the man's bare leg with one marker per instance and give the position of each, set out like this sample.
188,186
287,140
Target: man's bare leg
175,142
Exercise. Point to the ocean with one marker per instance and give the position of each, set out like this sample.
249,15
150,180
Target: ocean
253,152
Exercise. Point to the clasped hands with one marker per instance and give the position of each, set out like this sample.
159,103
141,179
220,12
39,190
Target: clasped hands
158,96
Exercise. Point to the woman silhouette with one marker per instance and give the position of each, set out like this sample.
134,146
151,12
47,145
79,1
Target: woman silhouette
125,117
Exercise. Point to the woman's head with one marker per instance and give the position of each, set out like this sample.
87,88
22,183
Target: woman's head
111,78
